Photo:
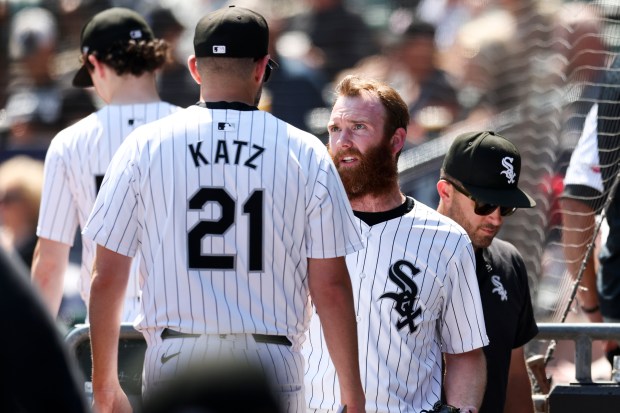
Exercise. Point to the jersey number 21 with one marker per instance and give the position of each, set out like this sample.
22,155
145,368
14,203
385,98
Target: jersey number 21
253,207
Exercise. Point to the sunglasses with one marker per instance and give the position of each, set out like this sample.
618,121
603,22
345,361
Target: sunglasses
270,66
480,208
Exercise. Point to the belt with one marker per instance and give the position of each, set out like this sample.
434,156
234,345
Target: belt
259,338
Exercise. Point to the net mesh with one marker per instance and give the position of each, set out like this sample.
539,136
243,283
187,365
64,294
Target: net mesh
535,86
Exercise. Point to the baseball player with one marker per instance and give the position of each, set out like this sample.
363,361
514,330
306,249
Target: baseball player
414,284
591,175
477,188
236,217
120,57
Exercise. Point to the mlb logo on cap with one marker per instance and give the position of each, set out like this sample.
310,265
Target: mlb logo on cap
135,34
219,49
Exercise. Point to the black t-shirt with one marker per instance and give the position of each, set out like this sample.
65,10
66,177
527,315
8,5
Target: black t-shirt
508,315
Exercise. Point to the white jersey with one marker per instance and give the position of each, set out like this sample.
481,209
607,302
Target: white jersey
416,296
585,167
224,204
75,164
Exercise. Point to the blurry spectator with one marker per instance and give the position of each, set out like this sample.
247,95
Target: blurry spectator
428,91
338,37
583,58
447,16
174,82
38,103
289,94
21,181
4,39
34,351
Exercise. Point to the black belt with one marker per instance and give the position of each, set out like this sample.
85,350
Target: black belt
259,338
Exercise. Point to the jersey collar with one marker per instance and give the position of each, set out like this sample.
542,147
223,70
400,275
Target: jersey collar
226,105
373,218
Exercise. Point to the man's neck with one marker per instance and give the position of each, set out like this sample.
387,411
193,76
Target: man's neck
134,89
226,91
378,203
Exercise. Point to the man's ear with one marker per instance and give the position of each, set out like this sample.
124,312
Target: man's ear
398,140
444,191
96,64
260,68
192,65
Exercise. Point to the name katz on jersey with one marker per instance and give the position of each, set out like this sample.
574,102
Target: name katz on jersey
229,152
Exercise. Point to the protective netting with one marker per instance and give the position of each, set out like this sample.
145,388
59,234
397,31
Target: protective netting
535,86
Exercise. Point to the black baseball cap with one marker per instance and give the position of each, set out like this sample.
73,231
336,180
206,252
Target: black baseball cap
488,166
232,32
106,28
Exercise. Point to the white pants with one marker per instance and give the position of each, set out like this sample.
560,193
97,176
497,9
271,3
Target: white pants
282,365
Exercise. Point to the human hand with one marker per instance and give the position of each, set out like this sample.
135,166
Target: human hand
355,404
111,401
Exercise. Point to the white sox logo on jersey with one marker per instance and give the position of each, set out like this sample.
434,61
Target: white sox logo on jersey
499,287
510,170
405,300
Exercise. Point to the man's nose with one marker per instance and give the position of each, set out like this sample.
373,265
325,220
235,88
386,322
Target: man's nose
344,139
495,217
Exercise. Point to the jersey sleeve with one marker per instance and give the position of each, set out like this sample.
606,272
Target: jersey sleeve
330,225
527,327
463,328
58,216
113,222
583,180
608,124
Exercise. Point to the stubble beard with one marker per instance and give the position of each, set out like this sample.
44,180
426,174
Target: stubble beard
478,240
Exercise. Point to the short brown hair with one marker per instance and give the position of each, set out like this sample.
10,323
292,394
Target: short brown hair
396,110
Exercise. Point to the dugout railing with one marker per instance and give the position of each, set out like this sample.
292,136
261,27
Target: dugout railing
131,349
584,394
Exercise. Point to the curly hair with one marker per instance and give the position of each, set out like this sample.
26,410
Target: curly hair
133,57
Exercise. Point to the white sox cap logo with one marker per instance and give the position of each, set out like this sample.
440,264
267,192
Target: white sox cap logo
509,171
219,49
499,287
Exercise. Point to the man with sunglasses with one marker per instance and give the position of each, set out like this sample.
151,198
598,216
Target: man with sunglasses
477,189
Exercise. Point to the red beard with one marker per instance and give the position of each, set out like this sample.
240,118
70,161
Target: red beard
375,174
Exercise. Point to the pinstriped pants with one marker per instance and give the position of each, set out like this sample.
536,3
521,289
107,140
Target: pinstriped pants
282,365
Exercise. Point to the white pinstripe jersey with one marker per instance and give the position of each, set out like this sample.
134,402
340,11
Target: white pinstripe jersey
224,205
75,164
416,296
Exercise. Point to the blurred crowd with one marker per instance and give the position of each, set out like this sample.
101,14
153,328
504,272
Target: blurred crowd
456,62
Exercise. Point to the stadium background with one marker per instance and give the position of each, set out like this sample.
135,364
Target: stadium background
528,69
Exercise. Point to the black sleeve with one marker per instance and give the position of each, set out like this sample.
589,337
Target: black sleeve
527,327
38,374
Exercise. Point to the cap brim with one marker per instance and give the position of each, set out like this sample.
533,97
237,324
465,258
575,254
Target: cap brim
513,198
82,78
